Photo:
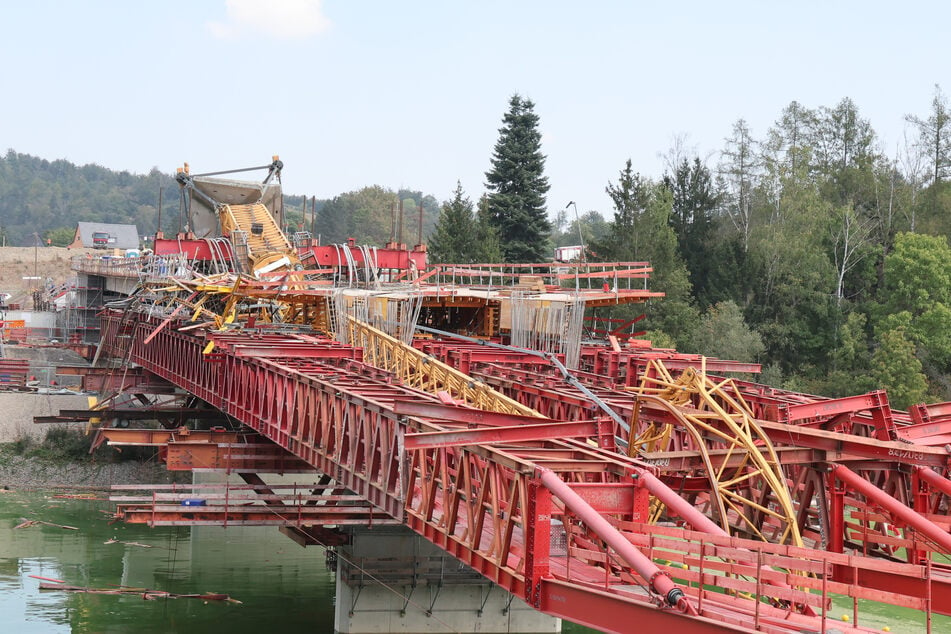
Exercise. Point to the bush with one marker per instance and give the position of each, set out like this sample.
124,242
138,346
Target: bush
62,443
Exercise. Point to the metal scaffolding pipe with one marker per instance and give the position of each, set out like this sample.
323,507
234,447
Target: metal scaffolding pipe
924,526
935,479
658,580
680,506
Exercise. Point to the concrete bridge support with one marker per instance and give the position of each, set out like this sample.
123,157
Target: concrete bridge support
391,580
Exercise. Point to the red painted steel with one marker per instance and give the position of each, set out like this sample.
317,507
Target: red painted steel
488,504
939,535
659,581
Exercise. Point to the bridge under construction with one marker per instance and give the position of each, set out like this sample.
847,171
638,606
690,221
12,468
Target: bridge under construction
468,435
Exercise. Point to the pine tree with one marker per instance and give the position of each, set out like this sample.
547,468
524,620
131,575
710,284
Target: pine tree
488,248
518,186
455,237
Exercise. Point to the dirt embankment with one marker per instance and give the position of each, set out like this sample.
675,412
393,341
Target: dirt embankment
44,262
29,459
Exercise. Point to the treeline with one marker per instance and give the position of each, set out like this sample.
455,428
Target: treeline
43,200
48,198
809,248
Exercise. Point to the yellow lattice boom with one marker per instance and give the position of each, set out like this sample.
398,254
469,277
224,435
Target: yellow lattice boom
421,371
748,482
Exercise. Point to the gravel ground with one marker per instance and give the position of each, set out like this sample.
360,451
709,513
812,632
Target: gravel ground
19,472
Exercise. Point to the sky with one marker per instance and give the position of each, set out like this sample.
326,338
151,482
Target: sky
411,94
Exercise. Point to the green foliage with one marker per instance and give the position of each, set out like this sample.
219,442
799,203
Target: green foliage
37,195
693,218
917,274
368,214
793,278
631,196
852,352
932,333
489,245
454,239
61,236
934,142
641,231
517,186
723,333
660,339
590,227
896,369
59,445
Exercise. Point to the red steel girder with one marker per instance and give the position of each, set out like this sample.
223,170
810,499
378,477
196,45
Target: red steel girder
233,458
106,380
508,435
250,515
473,501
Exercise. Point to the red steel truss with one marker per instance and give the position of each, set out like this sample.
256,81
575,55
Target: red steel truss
551,511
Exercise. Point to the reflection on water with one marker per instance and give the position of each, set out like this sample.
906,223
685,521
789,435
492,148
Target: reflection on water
280,584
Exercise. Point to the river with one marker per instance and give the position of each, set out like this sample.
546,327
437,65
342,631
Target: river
282,587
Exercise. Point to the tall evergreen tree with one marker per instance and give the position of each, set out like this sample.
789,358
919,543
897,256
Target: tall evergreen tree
454,239
517,186
695,204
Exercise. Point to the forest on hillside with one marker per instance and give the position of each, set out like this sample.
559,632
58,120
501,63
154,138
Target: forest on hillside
43,200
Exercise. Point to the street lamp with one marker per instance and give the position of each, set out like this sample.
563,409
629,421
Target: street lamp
584,257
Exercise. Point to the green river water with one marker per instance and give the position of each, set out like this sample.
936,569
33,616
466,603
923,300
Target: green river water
282,587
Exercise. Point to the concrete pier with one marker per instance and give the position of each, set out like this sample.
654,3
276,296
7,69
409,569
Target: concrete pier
391,580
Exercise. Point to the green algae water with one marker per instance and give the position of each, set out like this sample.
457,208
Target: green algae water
282,586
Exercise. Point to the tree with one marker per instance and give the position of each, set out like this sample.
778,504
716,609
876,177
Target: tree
518,186
850,243
934,139
843,138
488,247
789,142
60,237
454,239
591,226
641,231
365,214
630,196
738,169
896,369
411,201
723,333
695,203
917,274
793,278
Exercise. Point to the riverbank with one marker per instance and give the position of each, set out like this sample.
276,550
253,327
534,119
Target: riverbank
56,455
32,472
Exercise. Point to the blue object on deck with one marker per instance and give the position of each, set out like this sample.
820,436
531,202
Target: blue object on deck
193,502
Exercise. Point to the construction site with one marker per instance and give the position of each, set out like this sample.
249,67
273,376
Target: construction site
468,436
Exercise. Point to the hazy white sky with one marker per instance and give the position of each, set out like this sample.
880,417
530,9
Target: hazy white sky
354,93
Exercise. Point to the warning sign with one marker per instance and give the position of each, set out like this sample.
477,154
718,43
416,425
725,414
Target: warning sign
12,323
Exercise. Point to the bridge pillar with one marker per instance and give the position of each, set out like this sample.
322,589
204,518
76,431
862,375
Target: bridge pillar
392,580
